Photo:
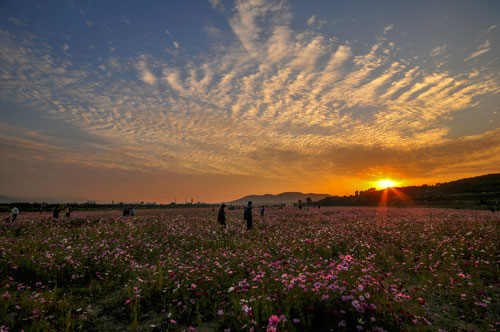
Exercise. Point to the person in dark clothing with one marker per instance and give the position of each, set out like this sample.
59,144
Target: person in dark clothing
262,209
247,215
222,215
55,213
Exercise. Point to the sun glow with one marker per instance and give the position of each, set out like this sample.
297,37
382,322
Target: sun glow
383,184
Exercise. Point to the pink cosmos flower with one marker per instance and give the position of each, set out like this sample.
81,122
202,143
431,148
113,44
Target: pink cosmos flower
274,320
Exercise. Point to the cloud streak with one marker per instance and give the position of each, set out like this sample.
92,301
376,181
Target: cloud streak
483,48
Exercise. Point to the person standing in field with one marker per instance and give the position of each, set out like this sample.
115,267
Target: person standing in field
262,211
221,218
132,211
247,215
14,212
55,213
67,211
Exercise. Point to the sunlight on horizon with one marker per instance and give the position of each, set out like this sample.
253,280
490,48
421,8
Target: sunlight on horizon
386,183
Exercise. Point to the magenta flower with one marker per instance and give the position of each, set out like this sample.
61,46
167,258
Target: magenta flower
274,320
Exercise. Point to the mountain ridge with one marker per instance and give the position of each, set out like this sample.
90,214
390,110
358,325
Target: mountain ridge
282,198
9,199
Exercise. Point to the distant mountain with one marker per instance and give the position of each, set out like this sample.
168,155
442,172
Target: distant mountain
9,199
20,199
286,198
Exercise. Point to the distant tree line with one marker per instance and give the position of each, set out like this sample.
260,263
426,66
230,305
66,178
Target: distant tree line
47,207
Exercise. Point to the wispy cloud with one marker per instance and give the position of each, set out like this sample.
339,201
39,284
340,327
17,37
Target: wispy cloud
126,20
493,27
145,74
215,3
483,48
311,20
16,21
272,102
438,50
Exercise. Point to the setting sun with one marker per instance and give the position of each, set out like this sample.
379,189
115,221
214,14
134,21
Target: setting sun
383,184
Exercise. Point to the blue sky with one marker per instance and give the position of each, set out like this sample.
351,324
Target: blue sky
218,99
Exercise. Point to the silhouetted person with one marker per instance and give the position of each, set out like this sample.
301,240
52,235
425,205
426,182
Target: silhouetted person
262,209
247,215
300,207
14,212
132,211
55,213
221,218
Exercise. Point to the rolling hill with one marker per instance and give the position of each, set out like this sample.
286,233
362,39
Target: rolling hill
285,198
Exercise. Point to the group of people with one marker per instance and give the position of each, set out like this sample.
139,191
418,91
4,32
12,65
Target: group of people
57,210
14,212
247,215
129,212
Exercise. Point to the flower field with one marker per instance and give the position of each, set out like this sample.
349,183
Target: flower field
340,269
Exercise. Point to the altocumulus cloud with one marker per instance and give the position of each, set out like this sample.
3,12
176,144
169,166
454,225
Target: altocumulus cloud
272,101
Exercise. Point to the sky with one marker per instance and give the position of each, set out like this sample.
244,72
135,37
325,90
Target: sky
213,100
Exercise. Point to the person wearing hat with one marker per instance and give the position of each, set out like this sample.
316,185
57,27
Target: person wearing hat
222,215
